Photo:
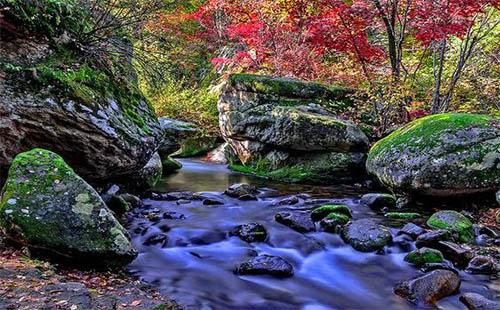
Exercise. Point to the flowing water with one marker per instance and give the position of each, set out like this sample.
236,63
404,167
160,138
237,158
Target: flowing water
194,263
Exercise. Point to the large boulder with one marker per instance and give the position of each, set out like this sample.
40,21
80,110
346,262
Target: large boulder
46,206
280,128
440,155
175,133
89,110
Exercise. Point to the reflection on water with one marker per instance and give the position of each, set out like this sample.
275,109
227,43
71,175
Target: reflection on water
194,263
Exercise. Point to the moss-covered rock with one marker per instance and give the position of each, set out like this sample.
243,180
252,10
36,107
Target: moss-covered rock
323,211
285,129
85,106
48,207
170,165
424,256
148,176
196,146
441,155
454,222
175,132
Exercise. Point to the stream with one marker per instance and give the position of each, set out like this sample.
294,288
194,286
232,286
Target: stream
186,251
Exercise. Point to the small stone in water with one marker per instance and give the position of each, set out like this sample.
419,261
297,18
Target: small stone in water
402,215
212,202
238,190
424,256
156,239
321,212
252,232
365,235
458,254
412,230
378,201
431,239
266,265
173,216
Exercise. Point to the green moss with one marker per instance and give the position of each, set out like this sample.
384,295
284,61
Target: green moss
335,97
453,222
338,217
321,212
424,132
170,165
402,215
287,174
424,256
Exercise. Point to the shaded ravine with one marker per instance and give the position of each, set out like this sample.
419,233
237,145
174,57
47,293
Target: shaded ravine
192,259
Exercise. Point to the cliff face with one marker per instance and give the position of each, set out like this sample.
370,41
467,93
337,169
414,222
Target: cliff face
78,100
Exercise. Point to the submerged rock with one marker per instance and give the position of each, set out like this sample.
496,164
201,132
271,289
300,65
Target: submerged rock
440,155
378,201
48,207
300,222
454,222
475,301
429,288
252,232
266,265
366,236
278,129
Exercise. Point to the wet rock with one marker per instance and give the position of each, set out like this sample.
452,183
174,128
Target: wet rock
454,222
292,200
266,265
378,201
482,265
208,237
183,202
334,222
321,212
212,202
445,265
300,222
252,232
366,236
474,301
239,190
156,239
404,242
118,205
424,256
247,197
430,239
443,155
429,288
173,215
458,254
164,227
412,230
48,207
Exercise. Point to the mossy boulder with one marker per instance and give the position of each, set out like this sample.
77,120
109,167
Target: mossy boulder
170,165
86,107
174,133
424,256
453,222
325,210
288,130
440,155
46,206
196,145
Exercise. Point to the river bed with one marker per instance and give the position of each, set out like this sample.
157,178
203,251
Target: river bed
194,260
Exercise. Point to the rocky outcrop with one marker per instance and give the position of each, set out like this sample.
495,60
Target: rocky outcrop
280,128
440,155
55,98
46,206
